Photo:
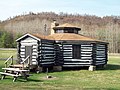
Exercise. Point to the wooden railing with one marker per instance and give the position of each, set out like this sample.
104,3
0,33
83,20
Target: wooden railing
11,62
24,62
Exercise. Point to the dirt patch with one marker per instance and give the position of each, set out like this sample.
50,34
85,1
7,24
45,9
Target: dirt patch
49,78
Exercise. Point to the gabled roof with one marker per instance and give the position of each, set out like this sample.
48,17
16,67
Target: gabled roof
26,35
66,25
35,36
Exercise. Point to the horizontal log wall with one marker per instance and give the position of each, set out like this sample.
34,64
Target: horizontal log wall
86,56
46,53
58,54
101,54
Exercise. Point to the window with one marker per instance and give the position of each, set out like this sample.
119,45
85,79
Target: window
76,51
71,31
75,31
59,31
68,31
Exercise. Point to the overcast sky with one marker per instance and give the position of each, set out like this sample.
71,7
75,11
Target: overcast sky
10,8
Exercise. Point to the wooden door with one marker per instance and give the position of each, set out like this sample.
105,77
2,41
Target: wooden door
28,52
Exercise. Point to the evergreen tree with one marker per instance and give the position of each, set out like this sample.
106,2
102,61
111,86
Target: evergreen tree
6,40
14,41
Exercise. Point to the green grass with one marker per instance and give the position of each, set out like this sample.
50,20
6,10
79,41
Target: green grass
107,79
6,53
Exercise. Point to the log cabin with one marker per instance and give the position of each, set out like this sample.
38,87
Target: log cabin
65,47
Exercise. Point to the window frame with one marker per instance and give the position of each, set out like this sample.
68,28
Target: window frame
76,52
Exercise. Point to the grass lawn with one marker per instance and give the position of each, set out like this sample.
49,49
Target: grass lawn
6,53
107,79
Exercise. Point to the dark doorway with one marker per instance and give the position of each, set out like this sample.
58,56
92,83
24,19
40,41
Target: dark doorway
28,52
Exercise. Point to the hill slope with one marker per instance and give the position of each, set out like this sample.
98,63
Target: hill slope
106,28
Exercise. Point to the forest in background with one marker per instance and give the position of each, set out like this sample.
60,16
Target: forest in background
103,28
7,39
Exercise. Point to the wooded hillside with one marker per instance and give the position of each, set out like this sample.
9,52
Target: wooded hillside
106,28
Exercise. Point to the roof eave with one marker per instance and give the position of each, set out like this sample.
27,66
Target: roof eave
88,41
19,39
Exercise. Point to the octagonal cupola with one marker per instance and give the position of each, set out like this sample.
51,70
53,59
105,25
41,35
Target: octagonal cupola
66,28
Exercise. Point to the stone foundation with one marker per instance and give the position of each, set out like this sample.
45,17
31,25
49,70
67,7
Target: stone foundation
92,68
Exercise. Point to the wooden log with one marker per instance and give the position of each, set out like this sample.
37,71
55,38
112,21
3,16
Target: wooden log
76,60
47,63
85,50
81,65
86,57
85,45
77,63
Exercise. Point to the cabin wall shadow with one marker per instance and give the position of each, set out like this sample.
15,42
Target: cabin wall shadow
108,67
112,67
